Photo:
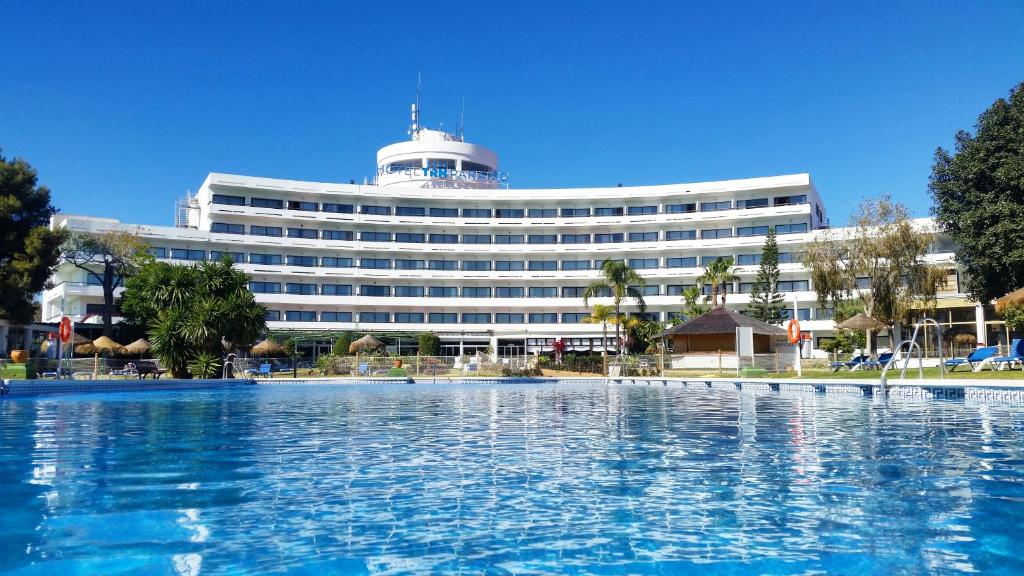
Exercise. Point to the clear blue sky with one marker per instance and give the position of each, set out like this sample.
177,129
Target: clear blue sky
122,108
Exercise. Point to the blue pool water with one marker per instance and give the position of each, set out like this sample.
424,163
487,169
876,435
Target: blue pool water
507,479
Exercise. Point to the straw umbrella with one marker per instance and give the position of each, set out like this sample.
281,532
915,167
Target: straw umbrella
367,342
863,322
139,347
1013,298
104,344
267,348
85,349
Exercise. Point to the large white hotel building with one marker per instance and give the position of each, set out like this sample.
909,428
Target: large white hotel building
439,242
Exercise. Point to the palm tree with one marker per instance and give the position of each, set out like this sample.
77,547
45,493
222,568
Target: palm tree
692,307
718,274
620,282
602,314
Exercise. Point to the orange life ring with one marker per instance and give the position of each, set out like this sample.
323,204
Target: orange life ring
793,331
65,330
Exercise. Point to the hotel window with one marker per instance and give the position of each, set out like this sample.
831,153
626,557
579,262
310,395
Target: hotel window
229,200
681,235
300,289
543,292
183,254
410,211
300,316
335,316
573,291
574,317
401,264
706,289
410,237
274,231
649,316
643,236
508,265
642,210
648,289
336,235
375,317
476,265
543,318
748,259
508,318
335,262
863,283
306,233
265,287
509,212
542,239
746,287
576,265
441,163
375,236
444,265
403,165
444,212
408,317
265,259
542,213
706,261
157,252
575,238
684,262
542,265
716,206
670,316
680,208
607,238
790,257
337,208
444,238
374,290
476,212
222,228
443,291
790,200
409,291
617,211
752,203
716,233
443,318
375,263
302,261
92,280
603,293
824,313
468,166
236,257
375,210
476,238
643,263
509,239
476,292
266,203
302,206
509,292
272,316
476,318
793,286
677,289
744,231
335,289
575,212
791,228
801,314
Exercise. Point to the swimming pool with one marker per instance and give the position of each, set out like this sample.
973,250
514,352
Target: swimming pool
518,479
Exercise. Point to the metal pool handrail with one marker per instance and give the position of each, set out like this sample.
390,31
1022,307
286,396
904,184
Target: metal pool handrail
912,343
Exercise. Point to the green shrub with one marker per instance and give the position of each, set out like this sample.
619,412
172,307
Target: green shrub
397,373
510,372
430,344
204,365
341,345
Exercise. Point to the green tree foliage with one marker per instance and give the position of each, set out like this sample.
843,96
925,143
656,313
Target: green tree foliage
28,248
765,300
621,283
602,314
109,257
341,345
1014,316
429,344
979,198
205,365
718,274
692,305
187,310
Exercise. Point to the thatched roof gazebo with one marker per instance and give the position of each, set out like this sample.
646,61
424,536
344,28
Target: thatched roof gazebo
1013,298
105,345
268,347
85,349
861,322
367,342
139,347
716,331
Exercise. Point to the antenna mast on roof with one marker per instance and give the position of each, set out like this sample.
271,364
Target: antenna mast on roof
415,126
462,121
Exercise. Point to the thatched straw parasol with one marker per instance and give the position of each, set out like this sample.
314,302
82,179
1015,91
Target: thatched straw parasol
1013,298
267,348
104,344
861,322
367,342
140,346
86,349
79,339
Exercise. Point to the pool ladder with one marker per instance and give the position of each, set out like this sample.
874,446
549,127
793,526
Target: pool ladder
911,344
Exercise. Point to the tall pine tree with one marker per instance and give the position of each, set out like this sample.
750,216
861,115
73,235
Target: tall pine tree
765,300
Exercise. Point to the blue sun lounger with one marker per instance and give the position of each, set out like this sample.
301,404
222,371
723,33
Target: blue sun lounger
883,359
1015,356
852,364
974,360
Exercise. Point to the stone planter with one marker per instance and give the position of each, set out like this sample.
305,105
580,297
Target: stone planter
19,356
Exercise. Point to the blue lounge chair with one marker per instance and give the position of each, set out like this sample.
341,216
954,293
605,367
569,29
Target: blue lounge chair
883,359
852,364
974,360
264,371
1015,356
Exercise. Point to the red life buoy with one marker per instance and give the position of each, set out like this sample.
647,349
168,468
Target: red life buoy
793,331
65,330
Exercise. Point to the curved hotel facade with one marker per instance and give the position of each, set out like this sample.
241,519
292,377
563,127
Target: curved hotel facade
439,242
